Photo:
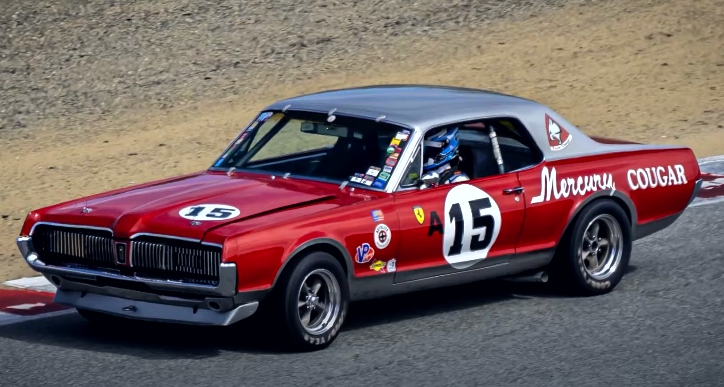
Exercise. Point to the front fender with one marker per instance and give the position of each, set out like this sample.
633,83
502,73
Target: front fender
322,243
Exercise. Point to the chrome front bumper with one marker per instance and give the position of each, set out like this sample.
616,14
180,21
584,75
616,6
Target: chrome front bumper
81,288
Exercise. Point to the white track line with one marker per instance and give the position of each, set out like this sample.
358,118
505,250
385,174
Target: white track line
711,159
706,201
38,283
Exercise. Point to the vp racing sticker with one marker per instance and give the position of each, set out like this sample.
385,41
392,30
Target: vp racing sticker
364,253
209,212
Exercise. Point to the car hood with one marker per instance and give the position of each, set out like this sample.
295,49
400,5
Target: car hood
154,208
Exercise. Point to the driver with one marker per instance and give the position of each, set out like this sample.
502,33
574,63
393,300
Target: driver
441,151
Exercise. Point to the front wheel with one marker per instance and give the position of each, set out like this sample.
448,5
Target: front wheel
312,301
595,253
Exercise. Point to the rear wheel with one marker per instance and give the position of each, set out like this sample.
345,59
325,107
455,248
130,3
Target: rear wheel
310,301
595,253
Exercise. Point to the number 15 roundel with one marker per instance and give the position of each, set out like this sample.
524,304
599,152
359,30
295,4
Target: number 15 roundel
472,224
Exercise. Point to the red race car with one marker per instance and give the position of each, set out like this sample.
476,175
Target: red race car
361,193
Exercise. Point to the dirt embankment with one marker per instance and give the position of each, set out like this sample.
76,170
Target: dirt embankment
96,96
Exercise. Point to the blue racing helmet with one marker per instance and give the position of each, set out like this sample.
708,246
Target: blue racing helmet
441,148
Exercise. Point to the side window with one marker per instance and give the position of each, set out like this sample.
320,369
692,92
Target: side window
477,155
413,171
517,147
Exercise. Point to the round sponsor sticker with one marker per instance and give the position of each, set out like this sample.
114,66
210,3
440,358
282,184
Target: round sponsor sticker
472,225
209,212
382,236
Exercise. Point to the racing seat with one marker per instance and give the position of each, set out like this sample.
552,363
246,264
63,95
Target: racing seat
478,160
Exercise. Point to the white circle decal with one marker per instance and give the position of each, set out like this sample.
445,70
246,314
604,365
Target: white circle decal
382,236
472,224
209,212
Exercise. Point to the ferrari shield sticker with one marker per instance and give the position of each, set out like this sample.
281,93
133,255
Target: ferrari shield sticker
419,214
382,236
558,137
471,225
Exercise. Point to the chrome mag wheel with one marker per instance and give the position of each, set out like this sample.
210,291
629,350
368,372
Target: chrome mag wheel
319,301
601,249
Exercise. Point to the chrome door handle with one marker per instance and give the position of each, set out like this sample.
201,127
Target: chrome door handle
514,190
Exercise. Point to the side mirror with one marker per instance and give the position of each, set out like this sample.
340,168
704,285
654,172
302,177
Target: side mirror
430,179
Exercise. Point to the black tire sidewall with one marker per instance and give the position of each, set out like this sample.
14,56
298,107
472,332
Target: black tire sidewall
575,264
299,336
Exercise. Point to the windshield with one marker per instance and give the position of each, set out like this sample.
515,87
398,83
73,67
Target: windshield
315,146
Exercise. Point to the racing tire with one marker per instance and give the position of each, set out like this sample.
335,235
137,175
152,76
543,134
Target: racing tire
594,255
309,302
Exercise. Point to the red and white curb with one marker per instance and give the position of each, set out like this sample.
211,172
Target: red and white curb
32,297
712,189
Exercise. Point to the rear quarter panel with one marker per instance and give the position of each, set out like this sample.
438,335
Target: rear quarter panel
626,176
660,183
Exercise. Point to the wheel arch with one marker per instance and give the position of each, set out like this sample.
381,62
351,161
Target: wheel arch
617,197
327,245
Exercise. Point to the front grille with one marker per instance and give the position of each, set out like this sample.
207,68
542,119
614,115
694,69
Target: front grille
65,245
150,257
178,257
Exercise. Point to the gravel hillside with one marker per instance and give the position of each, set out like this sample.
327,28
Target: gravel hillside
59,59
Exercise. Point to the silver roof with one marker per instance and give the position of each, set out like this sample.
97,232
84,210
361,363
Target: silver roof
422,107
417,106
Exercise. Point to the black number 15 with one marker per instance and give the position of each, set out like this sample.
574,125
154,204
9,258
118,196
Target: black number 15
217,212
479,221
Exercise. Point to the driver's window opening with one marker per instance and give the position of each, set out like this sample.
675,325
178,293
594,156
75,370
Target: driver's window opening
473,154
313,146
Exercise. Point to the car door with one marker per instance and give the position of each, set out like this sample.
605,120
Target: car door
459,226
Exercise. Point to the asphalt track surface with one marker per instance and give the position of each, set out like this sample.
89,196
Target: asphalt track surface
661,327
